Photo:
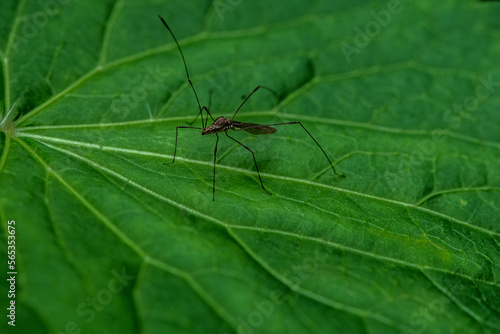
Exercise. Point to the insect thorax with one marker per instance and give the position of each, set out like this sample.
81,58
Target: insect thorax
219,125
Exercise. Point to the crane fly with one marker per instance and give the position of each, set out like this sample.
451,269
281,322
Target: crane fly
223,124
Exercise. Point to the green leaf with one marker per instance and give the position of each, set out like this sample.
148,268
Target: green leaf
403,96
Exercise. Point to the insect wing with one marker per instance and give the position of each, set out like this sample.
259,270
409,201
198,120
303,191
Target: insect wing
255,129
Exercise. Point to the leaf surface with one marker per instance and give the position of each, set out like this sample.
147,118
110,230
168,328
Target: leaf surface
402,96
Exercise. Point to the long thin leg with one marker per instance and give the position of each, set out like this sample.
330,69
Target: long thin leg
256,89
176,134
185,67
255,161
310,135
215,162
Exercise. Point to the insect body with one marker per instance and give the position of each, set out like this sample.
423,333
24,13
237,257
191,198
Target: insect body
223,124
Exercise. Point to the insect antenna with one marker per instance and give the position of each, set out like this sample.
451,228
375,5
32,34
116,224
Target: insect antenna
189,79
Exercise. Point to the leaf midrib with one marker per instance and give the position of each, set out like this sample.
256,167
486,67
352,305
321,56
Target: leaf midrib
244,171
